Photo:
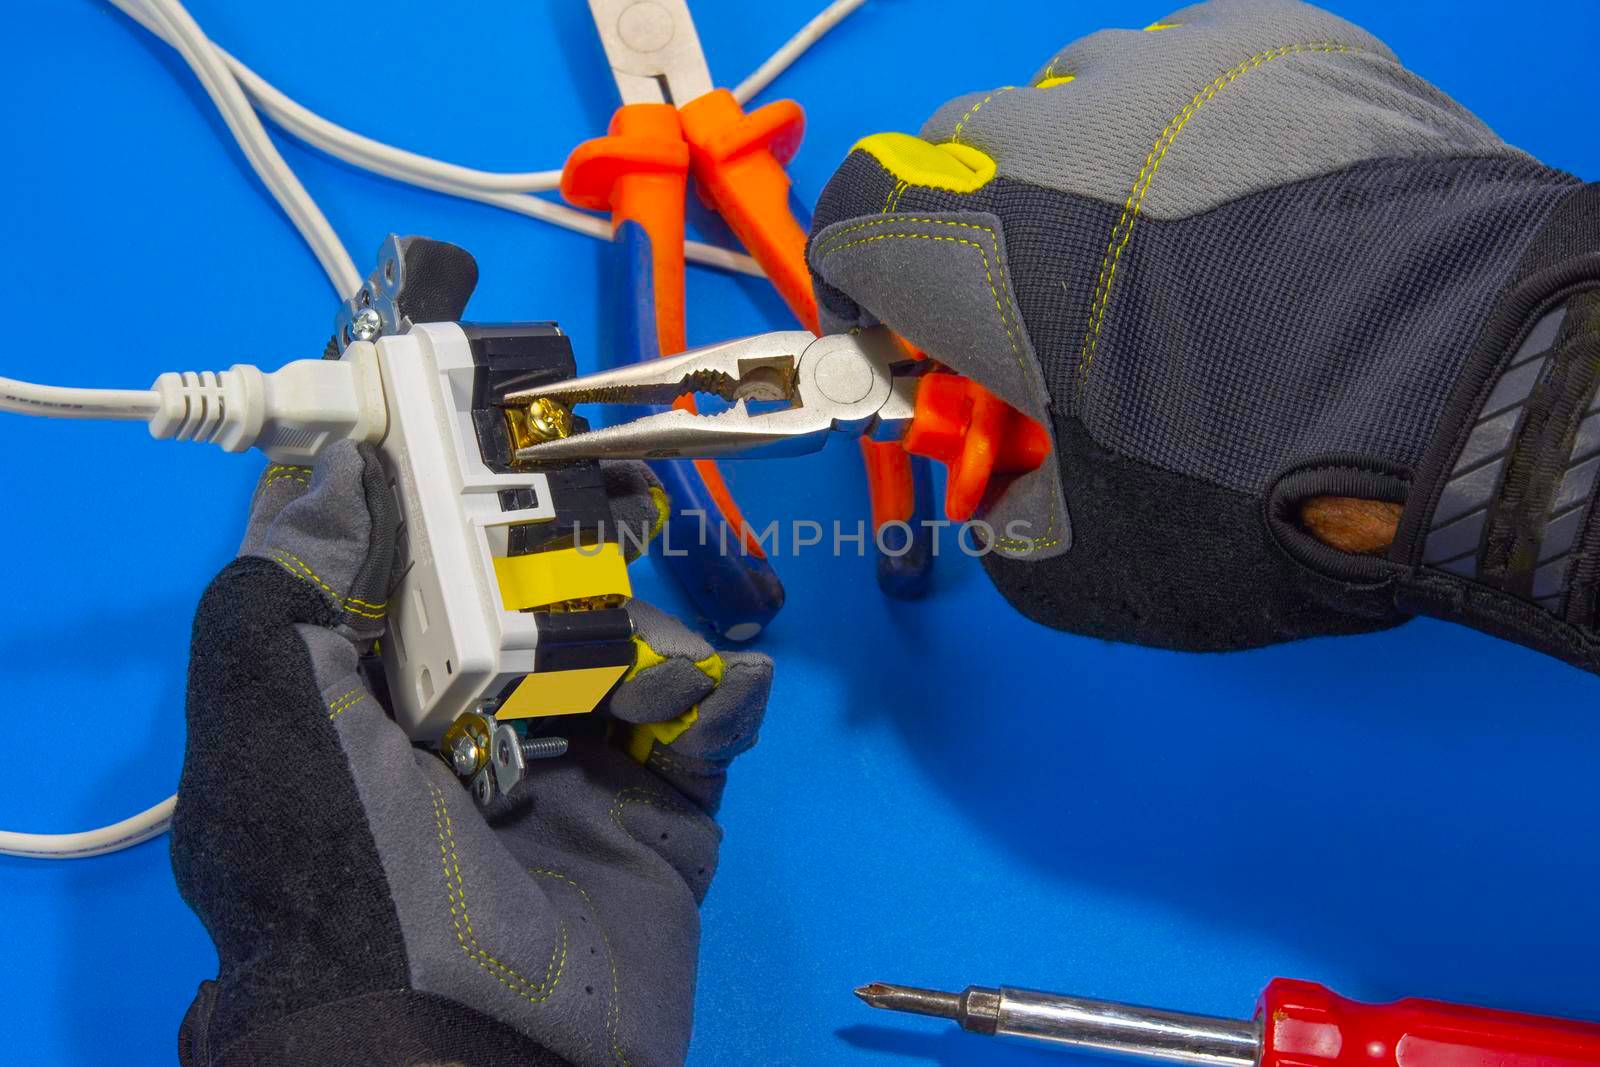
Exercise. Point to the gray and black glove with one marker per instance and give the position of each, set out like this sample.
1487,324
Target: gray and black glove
363,910
1243,264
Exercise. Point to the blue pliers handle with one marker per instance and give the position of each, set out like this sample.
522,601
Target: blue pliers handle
736,591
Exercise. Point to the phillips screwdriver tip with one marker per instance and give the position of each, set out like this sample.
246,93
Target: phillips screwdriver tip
873,993
910,999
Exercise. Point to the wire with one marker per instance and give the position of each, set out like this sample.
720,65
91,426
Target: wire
53,401
181,32
792,49
508,191
505,191
346,144
149,823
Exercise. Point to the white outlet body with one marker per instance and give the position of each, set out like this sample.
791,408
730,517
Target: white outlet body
451,646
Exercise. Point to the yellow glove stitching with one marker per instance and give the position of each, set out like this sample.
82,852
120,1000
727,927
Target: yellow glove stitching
297,475
893,197
345,703
955,135
638,795
1147,175
297,567
614,1015
456,890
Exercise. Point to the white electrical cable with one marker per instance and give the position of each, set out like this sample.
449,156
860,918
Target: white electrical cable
792,49
296,118
290,414
180,31
53,401
508,191
348,145
149,823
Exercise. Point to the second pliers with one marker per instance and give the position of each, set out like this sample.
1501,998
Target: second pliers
674,123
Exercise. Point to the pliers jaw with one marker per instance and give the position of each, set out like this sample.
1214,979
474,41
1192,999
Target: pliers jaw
653,50
844,383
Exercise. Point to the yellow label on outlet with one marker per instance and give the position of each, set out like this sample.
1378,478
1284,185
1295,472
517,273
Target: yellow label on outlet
541,579
560,692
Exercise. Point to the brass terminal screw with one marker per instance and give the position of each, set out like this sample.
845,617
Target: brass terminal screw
541,420
549,419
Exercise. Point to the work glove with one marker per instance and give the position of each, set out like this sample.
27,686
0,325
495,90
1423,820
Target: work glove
1316,347
363,909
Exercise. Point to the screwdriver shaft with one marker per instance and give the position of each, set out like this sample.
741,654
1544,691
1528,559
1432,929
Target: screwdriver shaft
1167,1036
1077,1022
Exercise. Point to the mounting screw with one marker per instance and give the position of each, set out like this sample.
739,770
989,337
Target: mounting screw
544,748
366,325
483,788
465,756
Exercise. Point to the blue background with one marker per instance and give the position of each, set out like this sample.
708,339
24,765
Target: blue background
945,793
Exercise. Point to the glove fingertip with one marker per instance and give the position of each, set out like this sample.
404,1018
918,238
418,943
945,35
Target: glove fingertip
279,486
662,691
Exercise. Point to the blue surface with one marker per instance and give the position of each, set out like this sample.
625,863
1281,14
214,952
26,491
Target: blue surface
944,793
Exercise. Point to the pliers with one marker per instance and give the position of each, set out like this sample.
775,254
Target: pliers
673,122
788,392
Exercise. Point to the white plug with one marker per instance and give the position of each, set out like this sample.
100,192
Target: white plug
290,414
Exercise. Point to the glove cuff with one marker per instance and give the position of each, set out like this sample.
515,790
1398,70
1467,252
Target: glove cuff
1500,531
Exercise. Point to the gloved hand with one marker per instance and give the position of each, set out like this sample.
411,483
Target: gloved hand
364,911
1245,266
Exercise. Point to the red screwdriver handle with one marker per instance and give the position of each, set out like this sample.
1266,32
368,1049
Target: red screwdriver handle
1307,1025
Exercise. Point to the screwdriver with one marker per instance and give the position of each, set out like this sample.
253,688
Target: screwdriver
1297,1024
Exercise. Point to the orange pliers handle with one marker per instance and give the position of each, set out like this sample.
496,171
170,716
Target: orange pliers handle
738,161
975,434
640,173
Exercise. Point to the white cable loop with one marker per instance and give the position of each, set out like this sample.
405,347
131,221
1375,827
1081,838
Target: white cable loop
508,191
173,24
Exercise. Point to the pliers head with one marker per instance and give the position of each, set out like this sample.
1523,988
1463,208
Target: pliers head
788,392
653,50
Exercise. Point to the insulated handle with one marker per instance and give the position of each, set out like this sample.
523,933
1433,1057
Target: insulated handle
1308,1025
706,543
901,486
738,163
640,173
